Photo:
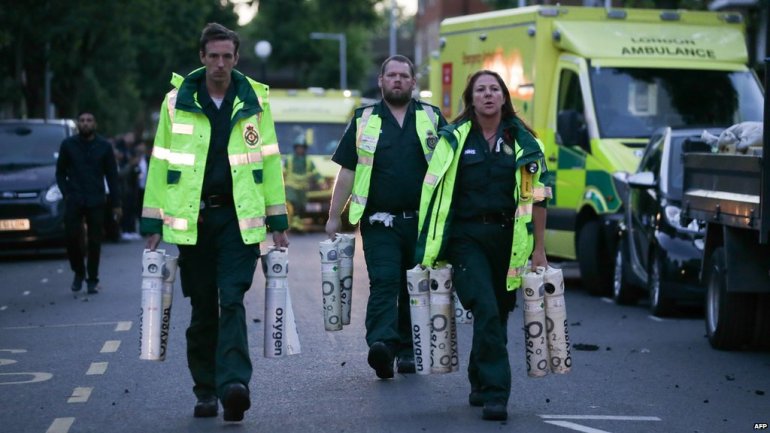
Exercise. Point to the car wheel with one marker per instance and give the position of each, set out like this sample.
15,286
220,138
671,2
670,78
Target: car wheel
660,301
622,291
729,316
593,259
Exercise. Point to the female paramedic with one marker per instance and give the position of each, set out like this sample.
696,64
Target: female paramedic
482,209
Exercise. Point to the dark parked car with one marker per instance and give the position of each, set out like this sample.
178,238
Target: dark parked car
656,255
31,205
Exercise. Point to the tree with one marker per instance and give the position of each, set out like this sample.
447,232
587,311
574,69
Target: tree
114,57
287,25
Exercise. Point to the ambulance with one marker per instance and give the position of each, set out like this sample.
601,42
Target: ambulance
594,84
318,117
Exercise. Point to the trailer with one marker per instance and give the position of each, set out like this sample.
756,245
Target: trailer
730,194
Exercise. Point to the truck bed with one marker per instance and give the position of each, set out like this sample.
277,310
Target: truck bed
723,188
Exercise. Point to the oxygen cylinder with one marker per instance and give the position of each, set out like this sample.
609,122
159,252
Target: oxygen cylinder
275,264
167,296
461,314
418,285
534,323
330,284
292,336
346,247
560,356
152,303
443,351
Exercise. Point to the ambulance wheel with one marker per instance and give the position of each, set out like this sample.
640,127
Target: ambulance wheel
729,315
622,291
594,260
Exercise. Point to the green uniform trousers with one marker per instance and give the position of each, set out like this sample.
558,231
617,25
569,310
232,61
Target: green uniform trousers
389,252
215,274
480,254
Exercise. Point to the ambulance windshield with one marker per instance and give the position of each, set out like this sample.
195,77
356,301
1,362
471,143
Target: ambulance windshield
633,102
320,138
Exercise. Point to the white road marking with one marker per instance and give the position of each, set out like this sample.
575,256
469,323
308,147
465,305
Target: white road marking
655,318
14,350
60,425
585,429
3,308
80,395
576,427
70,325
36,377
608,300
110,346
26,293
123,326
97,368
603,417
7,362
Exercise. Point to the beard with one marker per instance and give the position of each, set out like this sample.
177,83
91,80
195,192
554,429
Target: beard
397,99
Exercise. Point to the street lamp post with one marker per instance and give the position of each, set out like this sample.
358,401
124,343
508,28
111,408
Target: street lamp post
263,49
343,56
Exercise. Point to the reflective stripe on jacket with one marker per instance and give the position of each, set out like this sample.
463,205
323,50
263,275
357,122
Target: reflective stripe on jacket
177,166
438,190
368,134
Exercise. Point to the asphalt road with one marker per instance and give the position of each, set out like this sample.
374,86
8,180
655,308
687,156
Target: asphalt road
71,364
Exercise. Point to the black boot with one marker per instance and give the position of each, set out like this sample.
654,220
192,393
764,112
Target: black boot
206,407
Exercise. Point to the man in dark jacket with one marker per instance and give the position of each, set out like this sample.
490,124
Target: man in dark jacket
85,160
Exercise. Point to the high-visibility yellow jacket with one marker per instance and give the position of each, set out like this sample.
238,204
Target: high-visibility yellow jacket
172,198
368,134
438,190
300,181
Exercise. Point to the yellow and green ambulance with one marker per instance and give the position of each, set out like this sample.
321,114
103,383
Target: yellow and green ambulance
595,83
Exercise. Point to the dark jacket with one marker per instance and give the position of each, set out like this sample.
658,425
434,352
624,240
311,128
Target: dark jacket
81,169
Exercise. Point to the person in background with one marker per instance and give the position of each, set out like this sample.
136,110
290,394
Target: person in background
383,157
482,209
301,174
85,161
217,211
129,176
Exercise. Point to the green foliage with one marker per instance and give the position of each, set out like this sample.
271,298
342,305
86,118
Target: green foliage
287,25
114,57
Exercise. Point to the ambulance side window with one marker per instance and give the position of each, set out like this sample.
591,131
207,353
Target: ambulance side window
570,121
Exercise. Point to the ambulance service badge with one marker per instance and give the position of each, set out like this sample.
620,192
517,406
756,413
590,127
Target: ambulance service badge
532,167
431,140
251,135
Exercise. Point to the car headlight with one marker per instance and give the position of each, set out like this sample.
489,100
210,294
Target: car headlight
53,194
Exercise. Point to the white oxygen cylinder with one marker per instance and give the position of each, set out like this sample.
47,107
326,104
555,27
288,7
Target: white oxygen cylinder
560,356
462,315
346,248
418,286
152,303
275,264
167,296
443,347
291,339
330,285
534,323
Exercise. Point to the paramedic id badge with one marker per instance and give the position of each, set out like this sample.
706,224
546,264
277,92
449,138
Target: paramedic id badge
251,135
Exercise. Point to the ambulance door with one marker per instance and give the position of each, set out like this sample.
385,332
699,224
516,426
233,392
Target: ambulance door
567,116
